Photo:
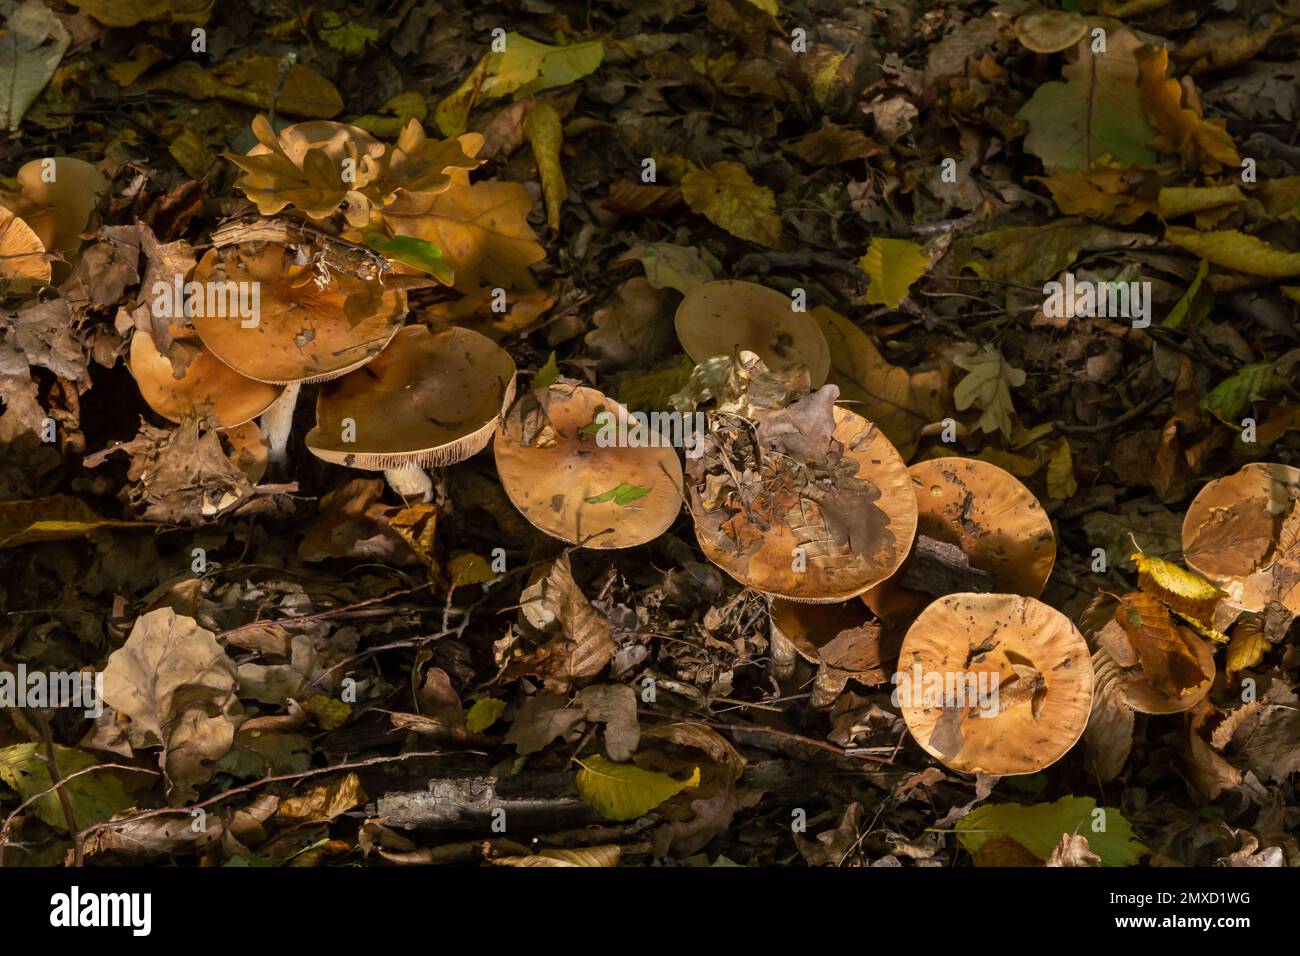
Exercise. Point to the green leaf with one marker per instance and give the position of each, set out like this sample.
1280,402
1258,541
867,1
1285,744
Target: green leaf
893,265
1038,828
95,796
651,392
469,568
623,791
483,714
624,494
546,375
1181,308
417,253
1230,397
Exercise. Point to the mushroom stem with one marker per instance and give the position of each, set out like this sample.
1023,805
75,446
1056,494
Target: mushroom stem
277,423
410,481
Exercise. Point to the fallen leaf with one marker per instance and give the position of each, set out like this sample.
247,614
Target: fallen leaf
546,134
31,45
988,387
621,791
893,265
727,196
1039,828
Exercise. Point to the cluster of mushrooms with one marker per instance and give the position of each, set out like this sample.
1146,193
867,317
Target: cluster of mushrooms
854,548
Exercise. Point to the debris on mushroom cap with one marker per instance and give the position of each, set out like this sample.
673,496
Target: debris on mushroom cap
301,332
55,198
1002,532
22,256
843,640
809,502
233,398
1121,641
994,683
723,317
1049,31
572,485
1243,533
428,399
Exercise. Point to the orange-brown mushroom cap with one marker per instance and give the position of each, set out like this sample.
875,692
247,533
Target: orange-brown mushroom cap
1232,527
428,399
794,557
552,479
985,511
1038,679
302,333
724,317
1049,31
207,381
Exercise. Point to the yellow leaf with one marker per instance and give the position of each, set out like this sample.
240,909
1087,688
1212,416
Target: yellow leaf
273,179
1236,250
900,402
1177,201
767,6
483,714
57,518
325,801
1248,645
527,66
727,196
417,525
128,13
482,231
546,135
1201,144
589,856
1106,192
452,113
893,265
143,56
623,791
252,82
1060,472
1184,591
188,150
469,568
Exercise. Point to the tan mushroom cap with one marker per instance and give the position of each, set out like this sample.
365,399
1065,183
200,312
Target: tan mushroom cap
1231,528
843,640
551,480
830,573
1049,31
23,259
723,317
233,398
302,333
1016,640
56,210
247,450
428,399
996,521
1138,691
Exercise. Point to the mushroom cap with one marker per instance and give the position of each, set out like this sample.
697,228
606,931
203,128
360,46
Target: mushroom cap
995,520
723,317
22,256
1049,31
57,211
302,333
247,450
551,483
813,628
1231,527
1138,691
234,398
962,635
430,398
830,573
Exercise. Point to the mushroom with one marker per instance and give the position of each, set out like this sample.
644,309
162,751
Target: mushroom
1243,533
1050,31
55,197
994,683
429,399
784,542
247,449
569,484
302,331
1137,688
23,260
724,317
977,528
207,381
842,641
